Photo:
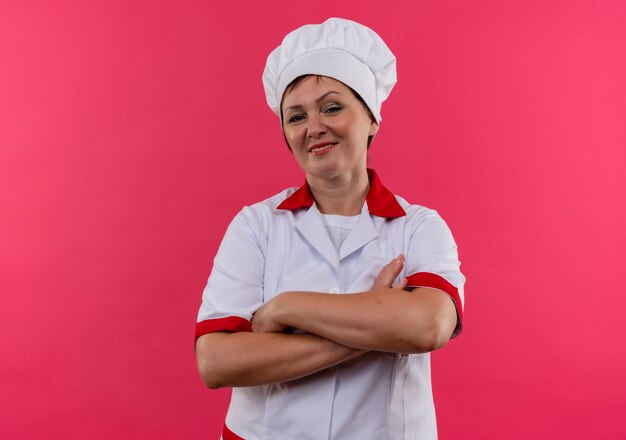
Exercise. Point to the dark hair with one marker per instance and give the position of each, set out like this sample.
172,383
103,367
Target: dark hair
299,79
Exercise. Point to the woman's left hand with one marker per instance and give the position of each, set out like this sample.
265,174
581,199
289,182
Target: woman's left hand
266,318
386,276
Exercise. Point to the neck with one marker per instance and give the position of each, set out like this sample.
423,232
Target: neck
340,195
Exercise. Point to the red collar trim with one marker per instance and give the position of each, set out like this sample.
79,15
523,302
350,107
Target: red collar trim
380,201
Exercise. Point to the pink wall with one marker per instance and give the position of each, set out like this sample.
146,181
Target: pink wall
131,133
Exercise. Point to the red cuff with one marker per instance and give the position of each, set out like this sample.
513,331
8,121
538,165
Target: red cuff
227,434
427,279
228,324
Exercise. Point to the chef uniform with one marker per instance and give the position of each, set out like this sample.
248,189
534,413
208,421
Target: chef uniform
282,244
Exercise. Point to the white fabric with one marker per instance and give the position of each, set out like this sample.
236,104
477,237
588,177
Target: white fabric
338,228
341,49
267,251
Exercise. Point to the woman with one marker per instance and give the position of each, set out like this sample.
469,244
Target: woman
325,301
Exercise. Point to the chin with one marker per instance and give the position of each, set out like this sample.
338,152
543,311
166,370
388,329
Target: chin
325,170
330,171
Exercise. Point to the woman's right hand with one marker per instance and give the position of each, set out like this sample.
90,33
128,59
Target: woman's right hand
388,273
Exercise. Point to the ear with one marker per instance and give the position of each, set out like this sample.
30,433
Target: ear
373,128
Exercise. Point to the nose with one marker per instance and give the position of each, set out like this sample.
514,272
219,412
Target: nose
315,127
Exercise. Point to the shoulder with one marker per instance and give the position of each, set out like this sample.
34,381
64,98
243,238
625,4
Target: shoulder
268,206
253,224
418,214
262,214
425,224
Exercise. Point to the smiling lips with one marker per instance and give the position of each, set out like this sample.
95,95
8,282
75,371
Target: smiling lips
321,148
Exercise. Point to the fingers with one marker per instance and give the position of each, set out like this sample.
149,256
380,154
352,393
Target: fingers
401,285
389,273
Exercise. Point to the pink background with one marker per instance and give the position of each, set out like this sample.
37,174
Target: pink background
132,132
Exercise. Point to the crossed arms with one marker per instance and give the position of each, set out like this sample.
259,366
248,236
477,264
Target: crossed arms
336,328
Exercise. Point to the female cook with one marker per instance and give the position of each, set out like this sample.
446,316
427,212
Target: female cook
324,301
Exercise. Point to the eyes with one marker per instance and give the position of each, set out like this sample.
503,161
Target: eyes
330,109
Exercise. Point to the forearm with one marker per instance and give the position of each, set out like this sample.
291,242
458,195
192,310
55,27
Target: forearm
247,359
382,320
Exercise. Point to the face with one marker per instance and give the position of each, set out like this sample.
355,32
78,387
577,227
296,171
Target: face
326,127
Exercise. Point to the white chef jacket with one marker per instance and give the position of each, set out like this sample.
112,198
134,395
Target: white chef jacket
280,244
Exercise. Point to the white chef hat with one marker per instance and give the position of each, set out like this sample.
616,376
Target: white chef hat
341,49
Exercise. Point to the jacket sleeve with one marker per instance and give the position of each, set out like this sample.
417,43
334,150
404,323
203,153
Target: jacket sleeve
234,290
432,260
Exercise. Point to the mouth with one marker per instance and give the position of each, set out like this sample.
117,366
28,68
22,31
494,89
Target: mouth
318,148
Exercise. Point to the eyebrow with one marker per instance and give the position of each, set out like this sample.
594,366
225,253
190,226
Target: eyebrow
316,101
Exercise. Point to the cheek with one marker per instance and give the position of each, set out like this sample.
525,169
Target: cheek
292,136
360,135
289,135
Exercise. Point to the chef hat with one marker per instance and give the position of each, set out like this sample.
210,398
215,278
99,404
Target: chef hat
341,49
